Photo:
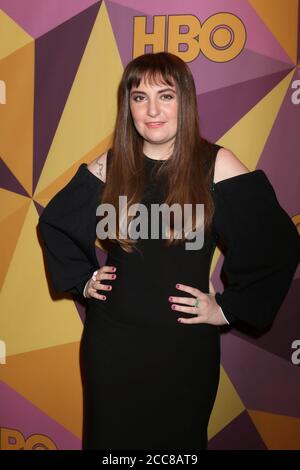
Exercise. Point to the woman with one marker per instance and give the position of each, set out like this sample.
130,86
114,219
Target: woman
150,381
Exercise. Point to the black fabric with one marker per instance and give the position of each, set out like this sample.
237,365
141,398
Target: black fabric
68,229
149,381
263,248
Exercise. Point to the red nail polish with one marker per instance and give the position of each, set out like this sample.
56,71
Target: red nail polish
173,307
170,298
177,285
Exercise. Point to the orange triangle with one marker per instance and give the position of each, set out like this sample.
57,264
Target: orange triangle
10,229
278,432
281,19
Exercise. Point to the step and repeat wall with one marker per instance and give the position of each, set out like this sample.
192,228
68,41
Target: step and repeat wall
60,65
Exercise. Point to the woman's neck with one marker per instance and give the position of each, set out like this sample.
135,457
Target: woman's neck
158,151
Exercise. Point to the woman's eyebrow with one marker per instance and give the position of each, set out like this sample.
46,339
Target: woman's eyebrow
160,91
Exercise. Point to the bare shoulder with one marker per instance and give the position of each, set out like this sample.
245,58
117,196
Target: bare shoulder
228,165
98,167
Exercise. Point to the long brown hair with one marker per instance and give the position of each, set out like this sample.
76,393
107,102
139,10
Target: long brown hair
187,171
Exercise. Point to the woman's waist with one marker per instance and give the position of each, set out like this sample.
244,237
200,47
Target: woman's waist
151,310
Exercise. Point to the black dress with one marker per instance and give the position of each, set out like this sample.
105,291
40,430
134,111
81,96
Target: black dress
149,381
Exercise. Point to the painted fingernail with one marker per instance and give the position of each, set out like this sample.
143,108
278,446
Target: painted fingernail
103,297
177,285
114,276
114,269
109,288
171,299
173,307
179,320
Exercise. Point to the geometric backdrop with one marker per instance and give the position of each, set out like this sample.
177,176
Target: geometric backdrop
60,65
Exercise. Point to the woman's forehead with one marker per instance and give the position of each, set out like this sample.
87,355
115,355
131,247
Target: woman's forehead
153,79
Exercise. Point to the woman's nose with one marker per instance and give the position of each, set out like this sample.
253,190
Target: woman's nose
153,108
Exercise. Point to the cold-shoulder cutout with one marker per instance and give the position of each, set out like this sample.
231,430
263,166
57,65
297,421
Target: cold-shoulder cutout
92,165
227,165
91,175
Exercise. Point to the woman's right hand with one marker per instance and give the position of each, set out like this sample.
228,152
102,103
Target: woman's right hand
94,284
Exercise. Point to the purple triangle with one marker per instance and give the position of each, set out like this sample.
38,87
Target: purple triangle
39,16
239,434
222,109
8,180
297,274
247,66
57,57
121,19
101,256
263,380
17,413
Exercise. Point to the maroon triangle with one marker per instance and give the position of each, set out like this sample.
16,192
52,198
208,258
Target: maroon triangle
39,208
220,109
9,181
57,57
239,434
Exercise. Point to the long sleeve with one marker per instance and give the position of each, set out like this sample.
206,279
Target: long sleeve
68,230
262,248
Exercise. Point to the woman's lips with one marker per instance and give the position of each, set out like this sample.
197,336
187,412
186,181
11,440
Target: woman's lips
154,124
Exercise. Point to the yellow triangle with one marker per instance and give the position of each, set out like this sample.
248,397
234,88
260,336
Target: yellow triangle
282,20
50,379
16,115
90,112
227,407
29,318
248,136
278,432
13,37
214,261
44,196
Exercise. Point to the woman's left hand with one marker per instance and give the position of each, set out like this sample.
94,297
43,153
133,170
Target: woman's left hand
208,311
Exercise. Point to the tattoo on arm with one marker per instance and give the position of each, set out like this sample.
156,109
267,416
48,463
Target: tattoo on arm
100,165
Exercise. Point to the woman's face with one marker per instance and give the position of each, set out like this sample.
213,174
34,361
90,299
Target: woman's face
154,112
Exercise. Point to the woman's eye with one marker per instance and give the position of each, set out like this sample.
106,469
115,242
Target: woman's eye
165,97
136,98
